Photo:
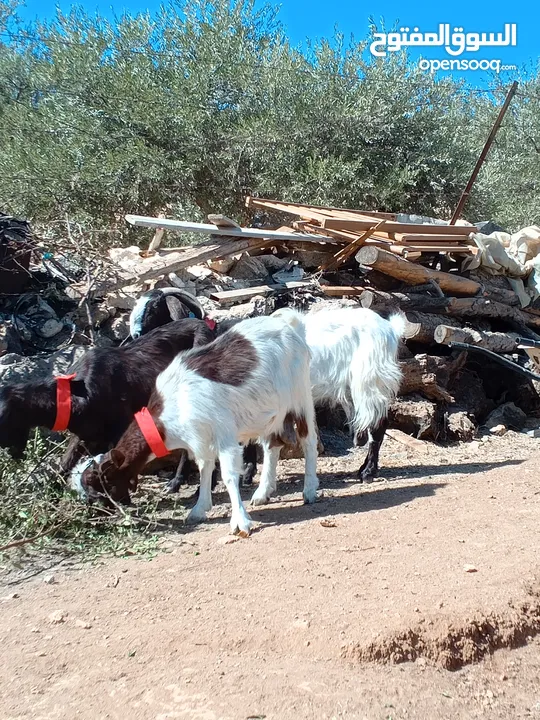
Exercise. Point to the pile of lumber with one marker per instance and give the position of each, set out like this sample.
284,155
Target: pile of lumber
356,228
377,261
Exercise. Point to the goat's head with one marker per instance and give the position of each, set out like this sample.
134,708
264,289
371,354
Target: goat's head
108,478
159,307
14,426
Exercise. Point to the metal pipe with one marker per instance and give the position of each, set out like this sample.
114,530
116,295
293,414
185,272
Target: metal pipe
465,194
504,361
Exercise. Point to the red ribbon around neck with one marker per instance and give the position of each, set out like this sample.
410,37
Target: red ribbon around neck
150,433
63,402
211,323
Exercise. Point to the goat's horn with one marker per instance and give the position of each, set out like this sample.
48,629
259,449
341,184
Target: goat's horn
187,298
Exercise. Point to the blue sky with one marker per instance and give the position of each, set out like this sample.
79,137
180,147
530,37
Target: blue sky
314,19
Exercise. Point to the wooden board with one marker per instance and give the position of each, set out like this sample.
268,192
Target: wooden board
232,296
206,228
315,211
363,223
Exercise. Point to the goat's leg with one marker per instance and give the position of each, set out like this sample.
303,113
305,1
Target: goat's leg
74,452
230,461
180,475
204,501
250,465
370,466
268,481
309,445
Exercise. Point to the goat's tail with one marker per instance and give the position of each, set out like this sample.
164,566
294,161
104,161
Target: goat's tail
375,375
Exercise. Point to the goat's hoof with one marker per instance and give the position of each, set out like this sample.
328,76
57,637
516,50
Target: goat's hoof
257,499
310,497
195,516
366,476
241,526
172,489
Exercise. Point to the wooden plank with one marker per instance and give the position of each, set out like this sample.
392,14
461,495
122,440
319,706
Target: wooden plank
341,290
458,249
318,212
222,221
348,250
363,223
183,226
230,296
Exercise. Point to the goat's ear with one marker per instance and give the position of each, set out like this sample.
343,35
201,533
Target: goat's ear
117,457
176,308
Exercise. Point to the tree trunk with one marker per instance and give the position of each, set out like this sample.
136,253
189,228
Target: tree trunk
430,375
421,327
414,274
480,307
494,341
388,301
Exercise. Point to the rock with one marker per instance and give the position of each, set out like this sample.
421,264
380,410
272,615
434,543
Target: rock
222,266
507,414
311,259
57,617
49,579
126,258
50,328
470,568
82,624
16,368
250,268
460,427
498,430
119,328
125,298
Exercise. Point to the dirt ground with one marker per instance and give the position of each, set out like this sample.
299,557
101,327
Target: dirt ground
417,596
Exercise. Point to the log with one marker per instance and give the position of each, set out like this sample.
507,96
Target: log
378,300
480,307
430,375
413,274
421,327
495,341
411,442
417,417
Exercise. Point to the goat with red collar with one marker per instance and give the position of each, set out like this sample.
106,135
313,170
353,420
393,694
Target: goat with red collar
97,400
251,382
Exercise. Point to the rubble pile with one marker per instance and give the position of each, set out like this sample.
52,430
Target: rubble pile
458,283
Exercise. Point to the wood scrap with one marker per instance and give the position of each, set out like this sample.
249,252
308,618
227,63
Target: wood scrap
232,296
414,274
495,341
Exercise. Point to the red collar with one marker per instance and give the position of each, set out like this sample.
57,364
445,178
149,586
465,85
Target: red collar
63,402
150,433
211,323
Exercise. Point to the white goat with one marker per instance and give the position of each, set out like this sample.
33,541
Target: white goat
252,382
354,364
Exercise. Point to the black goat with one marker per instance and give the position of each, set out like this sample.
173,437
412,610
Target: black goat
158,307
111,384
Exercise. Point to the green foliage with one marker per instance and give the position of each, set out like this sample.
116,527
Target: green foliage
189,110
36,506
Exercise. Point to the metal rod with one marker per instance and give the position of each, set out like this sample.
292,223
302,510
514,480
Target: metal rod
480,161
504,361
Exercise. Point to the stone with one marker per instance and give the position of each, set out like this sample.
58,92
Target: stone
460,426
509,415
498,430
50,328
